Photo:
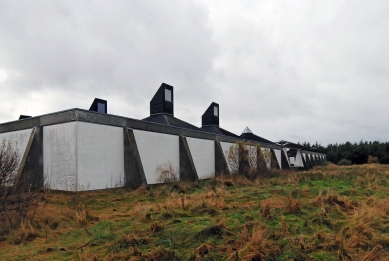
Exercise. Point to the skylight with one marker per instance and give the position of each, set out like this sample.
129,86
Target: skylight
168,95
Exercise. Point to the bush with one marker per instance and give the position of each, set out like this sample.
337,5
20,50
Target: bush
344,162
248,159
167,173
17,202
372,160
9,164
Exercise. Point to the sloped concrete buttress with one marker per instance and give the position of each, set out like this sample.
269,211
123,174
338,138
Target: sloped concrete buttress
134,175
284,161
316,160
322,161
187,168
304,163
221,166
312,159
308,161
274,161
30,172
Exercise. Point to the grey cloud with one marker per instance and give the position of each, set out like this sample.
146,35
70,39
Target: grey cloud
299,71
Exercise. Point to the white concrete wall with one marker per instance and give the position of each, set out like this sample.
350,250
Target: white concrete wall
100,157
18,139
267,156
203,154
291,161
226,148
298,161
252,155
60,156
278,156
157,150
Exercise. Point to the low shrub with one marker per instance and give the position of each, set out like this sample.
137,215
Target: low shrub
344,162
372,160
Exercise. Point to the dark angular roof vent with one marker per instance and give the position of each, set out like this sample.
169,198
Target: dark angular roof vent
210,121
99,106
22,117
211,115
163,100
161,109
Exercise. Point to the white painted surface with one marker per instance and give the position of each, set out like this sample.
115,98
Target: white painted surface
305,157
298,161
100,157
226,149
18,139
267,156
203,154
291,161
278,157
157,150
252,155
59,156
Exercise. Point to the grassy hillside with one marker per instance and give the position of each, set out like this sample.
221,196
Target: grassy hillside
328,213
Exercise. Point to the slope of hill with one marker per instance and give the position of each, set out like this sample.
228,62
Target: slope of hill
328,213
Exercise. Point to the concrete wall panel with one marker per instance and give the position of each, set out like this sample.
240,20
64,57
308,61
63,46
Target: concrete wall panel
226,148
157,150
267,156
59,156
252,155
100,156
278,156
203,154
298,161
18,139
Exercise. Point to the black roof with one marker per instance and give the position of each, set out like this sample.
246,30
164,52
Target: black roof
169,120
253,137
290,145
217,130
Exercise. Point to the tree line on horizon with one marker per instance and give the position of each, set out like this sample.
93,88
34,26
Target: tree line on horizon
356,153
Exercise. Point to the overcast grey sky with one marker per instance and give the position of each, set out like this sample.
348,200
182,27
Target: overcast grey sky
292,70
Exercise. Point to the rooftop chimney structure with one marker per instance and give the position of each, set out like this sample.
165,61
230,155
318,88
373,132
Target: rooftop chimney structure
163,100
99,106
22,117
211,115
162,109
210,121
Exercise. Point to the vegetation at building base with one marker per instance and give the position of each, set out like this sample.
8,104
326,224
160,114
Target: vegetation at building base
356,153
18,203
327,213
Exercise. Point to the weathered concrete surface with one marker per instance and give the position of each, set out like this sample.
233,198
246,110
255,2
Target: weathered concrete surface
99,156
159,153
60,156
274,161
284,161
187,168
134,175
30,174
221,166
203,154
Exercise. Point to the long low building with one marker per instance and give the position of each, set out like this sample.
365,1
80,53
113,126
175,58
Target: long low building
81,149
